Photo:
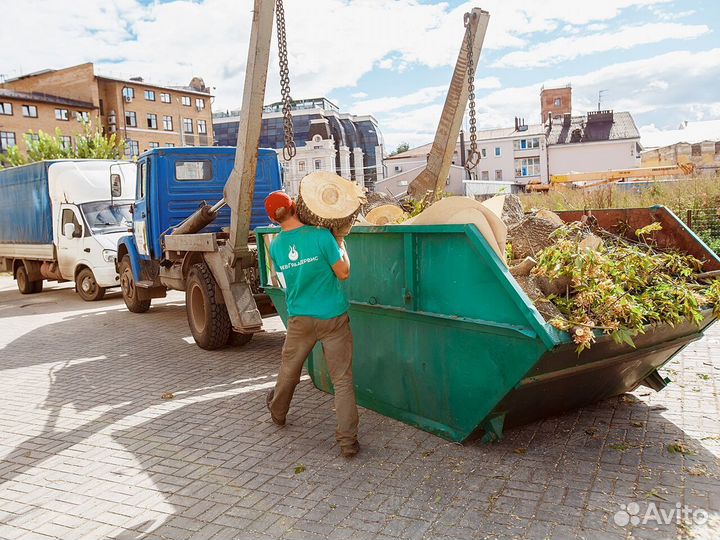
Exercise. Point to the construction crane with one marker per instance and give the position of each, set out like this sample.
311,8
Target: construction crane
593,179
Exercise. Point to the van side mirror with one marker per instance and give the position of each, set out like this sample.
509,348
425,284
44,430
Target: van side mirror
69,230
115,185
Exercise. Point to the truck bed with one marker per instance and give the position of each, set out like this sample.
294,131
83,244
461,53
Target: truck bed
25,212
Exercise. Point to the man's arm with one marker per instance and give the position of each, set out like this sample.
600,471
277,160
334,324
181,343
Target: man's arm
342,267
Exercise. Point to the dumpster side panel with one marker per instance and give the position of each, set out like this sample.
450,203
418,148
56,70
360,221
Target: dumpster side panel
563,380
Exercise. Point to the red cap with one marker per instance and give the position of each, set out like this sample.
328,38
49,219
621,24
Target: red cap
275,201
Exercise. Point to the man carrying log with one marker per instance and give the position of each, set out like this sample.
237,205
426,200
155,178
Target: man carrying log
313,263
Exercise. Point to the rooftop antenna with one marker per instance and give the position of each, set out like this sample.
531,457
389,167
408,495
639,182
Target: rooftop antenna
600,95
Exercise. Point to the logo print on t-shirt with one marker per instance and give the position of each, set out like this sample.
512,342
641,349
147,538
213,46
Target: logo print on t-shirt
293,254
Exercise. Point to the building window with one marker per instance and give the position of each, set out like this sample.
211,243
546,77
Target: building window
154,145
7,139
128,93
483,152
6,108
132,148
696,150
164,98
526,144
170,145
82,116
167,123
497,151
527,167
152,121
318,164
149,95
498,174
66,142
187,125
61,114
199,104
130,119
558,101
301,166
33,137
485,175
185,100
30,111
202,127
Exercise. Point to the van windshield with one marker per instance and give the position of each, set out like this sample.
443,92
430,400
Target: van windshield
104,217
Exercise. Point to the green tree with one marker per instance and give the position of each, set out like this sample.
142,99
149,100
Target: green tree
90,144
402,147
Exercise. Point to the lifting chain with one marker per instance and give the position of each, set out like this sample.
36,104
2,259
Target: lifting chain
289,149
473,157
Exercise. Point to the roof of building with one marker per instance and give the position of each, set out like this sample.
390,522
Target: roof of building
140,82
482,135
687,132
595,127
39,97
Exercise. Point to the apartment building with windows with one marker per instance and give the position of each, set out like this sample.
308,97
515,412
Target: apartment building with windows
144,114
27,113
326,138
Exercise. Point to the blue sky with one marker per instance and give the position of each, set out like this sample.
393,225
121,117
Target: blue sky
659,59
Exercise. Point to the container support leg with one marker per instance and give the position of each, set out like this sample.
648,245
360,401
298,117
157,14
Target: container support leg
493,428
655,381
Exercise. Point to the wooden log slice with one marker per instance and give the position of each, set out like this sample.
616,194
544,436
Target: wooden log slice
384,214
328,200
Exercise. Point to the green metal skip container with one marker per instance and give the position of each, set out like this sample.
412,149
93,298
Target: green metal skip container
447,341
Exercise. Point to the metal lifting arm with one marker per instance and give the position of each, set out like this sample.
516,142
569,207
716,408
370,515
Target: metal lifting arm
240,186
440,158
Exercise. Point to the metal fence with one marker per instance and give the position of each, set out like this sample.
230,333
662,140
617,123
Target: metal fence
705,222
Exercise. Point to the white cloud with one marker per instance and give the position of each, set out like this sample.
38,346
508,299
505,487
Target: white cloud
359,95
331,45
423,96
648,88
569,48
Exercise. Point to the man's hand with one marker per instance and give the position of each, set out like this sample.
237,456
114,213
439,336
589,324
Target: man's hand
342,267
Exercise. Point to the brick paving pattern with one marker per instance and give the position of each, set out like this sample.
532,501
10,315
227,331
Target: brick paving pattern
90,449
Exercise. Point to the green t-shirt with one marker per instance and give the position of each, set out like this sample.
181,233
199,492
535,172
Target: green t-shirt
304,256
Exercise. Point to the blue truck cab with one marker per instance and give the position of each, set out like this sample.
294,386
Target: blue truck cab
172,183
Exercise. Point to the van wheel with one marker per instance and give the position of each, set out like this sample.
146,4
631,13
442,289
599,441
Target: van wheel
87,287
129,291
25,286
207,316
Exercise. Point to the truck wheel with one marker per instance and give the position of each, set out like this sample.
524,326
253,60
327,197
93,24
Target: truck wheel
129,292
87,287
238,340
208,318
25,286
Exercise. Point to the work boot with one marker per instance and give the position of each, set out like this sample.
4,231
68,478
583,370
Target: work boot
350,451
268,399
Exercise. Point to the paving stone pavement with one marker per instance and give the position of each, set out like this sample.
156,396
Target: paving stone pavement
89,449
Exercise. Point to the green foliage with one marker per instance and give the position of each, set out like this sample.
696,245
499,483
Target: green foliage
679,196
402,147
90,144
621,287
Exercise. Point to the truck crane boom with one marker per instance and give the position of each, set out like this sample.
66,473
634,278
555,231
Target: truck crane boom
433,177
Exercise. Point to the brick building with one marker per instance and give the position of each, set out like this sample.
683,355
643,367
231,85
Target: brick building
21,112
556,102
145,115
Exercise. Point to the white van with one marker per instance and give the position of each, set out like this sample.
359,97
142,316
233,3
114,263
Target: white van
61,220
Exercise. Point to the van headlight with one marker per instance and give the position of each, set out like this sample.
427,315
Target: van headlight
109,255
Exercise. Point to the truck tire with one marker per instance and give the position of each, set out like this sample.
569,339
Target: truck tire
25,286
129,292
238,339
87,287
207,316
